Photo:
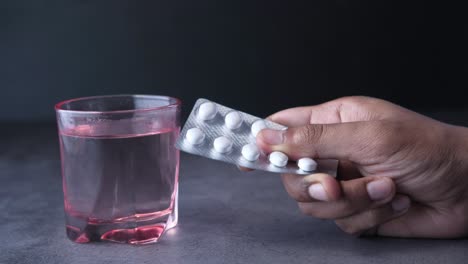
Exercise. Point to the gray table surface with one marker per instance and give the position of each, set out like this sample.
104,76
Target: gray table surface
226,216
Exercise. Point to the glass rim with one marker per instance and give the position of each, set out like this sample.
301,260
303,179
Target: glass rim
177,102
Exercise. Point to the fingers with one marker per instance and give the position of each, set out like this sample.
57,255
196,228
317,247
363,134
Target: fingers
345,109
370,220
354,141
323,186
344,128
321,196
357,205
326,113
292,117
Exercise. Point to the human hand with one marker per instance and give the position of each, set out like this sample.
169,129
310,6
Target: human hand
401,174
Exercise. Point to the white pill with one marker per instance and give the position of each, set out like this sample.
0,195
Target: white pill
207,111
258,126
307,164
233,120
250,152
222,144
195,136
279,159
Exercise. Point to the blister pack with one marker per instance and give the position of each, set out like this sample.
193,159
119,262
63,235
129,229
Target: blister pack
221,133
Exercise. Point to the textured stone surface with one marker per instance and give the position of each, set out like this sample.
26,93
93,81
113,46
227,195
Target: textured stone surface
225,217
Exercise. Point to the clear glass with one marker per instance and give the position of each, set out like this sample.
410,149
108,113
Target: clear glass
119,167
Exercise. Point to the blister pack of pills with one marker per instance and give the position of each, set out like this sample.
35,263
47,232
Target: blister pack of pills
221,133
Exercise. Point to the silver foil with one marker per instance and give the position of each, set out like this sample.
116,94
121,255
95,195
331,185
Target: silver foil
241,136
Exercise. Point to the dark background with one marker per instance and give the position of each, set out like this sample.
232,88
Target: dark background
257,56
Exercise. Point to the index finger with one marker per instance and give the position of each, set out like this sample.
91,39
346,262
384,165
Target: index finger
345,109
297,116
326,113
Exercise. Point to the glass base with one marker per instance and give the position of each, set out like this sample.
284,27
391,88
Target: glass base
131,230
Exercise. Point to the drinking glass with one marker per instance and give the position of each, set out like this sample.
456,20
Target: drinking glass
119,167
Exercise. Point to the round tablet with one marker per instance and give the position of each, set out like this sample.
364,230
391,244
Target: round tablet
195,136
258,126
222,144
233,120
307,164
250,152
207,111
279,159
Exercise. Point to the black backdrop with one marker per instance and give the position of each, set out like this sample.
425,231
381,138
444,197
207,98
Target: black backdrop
258,56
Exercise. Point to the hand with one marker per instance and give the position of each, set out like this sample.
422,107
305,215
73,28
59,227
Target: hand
401,174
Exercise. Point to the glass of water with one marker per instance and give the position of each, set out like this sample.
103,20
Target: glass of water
119,167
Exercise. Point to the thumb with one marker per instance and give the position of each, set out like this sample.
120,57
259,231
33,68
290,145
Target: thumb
354,141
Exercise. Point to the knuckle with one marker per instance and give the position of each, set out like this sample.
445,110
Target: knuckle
364,107
356,99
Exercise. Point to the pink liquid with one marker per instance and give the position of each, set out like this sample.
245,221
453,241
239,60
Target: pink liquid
119,188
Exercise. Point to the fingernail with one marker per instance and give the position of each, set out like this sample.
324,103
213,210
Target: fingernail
401,203
317,192
272,137
379,189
